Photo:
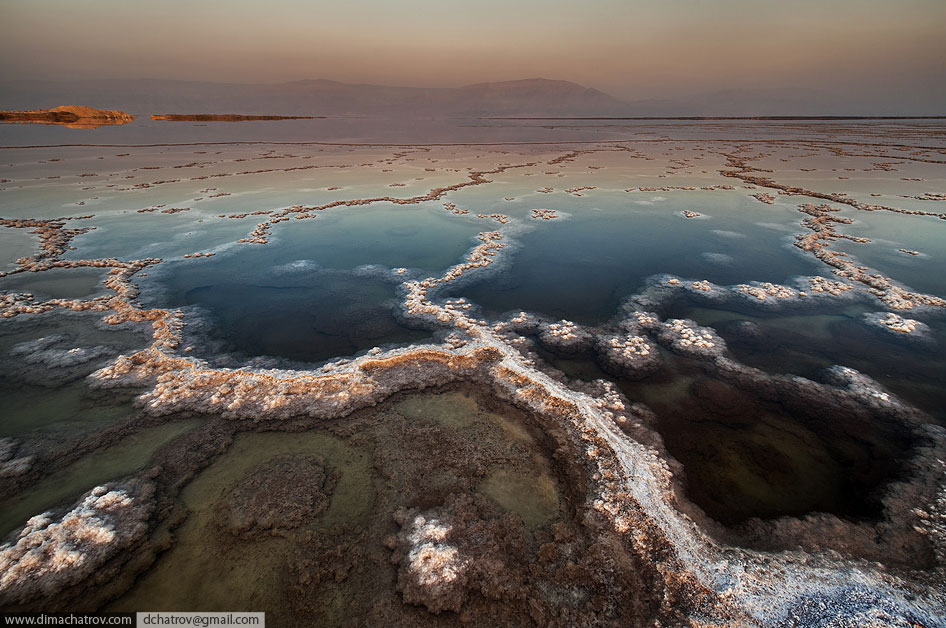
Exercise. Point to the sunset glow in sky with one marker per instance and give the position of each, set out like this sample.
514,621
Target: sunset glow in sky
632,49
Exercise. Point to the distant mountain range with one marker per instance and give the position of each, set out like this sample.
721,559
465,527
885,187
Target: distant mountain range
315,97
530,98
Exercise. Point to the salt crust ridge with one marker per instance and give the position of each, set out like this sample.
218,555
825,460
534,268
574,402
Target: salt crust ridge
633,484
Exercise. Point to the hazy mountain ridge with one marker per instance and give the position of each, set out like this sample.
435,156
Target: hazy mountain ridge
528,97
317,97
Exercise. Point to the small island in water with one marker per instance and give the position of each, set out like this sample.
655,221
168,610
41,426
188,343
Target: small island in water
73,116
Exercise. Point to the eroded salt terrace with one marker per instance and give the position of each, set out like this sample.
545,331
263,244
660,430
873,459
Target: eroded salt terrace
694,376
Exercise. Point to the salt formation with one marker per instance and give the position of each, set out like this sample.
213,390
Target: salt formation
51,554
688,338
11,464
693,572
445,554
900,328
821,222
764,197
766,291
42,352
544,214
630,355
565,337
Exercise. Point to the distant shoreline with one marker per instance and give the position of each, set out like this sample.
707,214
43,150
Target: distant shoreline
777,118
224,117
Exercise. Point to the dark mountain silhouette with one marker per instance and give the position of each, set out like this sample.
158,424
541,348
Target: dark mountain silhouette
317,97
525,98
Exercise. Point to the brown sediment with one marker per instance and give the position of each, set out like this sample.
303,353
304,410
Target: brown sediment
224,117
283,494
72,116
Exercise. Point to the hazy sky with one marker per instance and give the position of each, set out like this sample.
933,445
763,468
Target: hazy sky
630,48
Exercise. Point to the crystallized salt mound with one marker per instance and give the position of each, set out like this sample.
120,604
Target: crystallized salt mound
565,337
50,555
628,355
544,214
834,288
765,291
282,494
866,389
522,323
896,326
688,338
642,320
445,553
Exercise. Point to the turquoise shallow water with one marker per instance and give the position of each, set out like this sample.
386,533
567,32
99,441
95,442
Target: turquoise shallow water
325,316
583,267
806,344
420,236
130,235
306,296
298,296
58,283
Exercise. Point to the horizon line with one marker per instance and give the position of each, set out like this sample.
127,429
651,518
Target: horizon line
697,118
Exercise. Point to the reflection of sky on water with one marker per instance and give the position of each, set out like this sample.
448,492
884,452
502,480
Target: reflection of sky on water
307,295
